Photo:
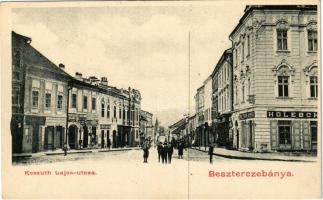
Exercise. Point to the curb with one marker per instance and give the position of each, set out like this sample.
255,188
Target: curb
73,152
255,158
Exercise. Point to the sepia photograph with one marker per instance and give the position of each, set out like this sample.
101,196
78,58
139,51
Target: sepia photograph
161,99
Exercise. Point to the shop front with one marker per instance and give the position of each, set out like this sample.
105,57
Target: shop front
293,130
32,137
223,130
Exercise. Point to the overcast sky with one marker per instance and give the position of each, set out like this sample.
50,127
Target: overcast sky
144,47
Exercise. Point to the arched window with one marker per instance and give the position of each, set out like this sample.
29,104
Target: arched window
283,73
312,80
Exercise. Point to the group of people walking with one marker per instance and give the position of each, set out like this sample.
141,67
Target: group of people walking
165,152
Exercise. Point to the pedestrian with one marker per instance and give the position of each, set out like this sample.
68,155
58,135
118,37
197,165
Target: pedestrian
170,151
65,149
109,144
145,148
180,149
164,153
159,150
211,149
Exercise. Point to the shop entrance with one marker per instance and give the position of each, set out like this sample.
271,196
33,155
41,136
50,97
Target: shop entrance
114,139
49,138
313,135
85,137
102,138
72,131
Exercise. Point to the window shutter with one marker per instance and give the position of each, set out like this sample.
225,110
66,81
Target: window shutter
274,134
306,136
296,135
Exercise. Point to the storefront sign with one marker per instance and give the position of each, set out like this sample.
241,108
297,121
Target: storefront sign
105,126
247,115
282,114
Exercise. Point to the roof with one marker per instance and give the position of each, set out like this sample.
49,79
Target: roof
251,8
43,60
222,58
25,38
178,123
179,128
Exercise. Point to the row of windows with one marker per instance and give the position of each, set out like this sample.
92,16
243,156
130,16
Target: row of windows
241,50
282,40
121,112
48,100
283,86
282,44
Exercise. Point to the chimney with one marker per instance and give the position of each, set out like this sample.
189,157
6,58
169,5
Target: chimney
78,75
61,66
104,81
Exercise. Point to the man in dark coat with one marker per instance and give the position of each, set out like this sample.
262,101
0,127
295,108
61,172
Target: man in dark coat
109,143
164,153
170,151
180,149
211,149
159,150
145,148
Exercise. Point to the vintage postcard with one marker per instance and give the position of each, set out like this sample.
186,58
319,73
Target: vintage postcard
161,99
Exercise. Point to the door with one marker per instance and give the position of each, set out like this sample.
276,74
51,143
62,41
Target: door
251,147
72,131
85,137
313,135
114,138
49,134
102,139
284,135
27,140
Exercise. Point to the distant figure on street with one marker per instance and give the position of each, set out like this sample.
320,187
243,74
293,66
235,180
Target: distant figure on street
159,150
65,149
164,153
211,149
145,147
180,149
170,151
109,143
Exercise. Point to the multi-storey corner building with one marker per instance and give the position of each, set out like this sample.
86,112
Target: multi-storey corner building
222,94
39,93
275,78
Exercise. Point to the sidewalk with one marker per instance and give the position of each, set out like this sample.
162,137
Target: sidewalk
74,151
275,156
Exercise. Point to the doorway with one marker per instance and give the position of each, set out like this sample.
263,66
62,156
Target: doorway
72,131
85,136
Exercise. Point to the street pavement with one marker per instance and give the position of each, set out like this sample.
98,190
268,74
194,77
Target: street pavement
134,156
122,174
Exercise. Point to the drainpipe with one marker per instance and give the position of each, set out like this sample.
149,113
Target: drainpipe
69,87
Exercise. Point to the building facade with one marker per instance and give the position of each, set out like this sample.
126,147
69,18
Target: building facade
275,76
222,91
39,89
50,108
146,125
200,136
